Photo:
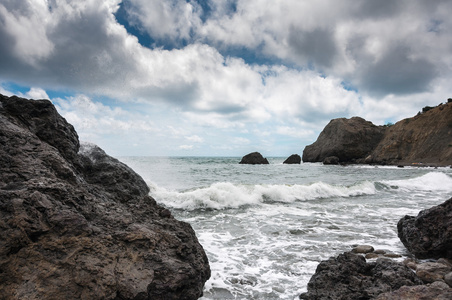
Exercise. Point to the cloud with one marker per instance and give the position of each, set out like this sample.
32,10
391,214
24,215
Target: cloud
36,93
304,62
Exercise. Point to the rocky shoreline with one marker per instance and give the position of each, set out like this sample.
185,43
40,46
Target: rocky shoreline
365,273
423,140
78,224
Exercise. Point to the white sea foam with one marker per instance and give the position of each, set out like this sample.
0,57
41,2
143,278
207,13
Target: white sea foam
433,181
228,195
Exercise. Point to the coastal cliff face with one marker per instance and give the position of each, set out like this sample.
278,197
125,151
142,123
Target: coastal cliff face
76,223
425,138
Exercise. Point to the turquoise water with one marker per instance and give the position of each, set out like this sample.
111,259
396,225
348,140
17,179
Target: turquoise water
266,227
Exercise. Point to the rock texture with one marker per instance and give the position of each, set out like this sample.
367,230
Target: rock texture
434,291
80,224
348,277
347,139
254,158
429,234
423,139
293,159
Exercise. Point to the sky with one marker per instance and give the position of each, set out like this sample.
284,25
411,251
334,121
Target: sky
224,77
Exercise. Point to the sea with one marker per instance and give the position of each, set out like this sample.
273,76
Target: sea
265,228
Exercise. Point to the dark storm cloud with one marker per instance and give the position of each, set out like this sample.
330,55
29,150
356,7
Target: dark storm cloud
397,73
316,46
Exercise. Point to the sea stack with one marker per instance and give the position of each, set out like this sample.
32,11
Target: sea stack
79,224
254,158
293,159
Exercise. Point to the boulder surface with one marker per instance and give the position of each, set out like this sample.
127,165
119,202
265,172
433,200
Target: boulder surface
348,277
80,224
346,139
293,159
429,234
254,158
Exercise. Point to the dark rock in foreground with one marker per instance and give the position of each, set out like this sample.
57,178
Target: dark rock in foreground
293,159
347,139
349,277
437,290
80,224
429,235
254,158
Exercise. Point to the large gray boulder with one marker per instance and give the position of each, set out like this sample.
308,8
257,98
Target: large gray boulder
429,234
346,139
80,224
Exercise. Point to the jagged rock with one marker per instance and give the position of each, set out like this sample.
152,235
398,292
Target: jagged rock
80,224
331,160
254,158
437,290
293,159
348,276
347,139
429,234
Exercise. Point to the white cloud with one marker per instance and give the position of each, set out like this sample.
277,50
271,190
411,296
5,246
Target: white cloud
395,57
195,139
37,93
186,147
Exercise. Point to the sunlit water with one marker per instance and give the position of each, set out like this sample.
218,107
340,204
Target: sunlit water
266,227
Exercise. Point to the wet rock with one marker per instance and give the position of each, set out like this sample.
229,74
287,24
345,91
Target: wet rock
331,160
432,271
363,249
448,278
293,159
254,158
429,234
348,276
437,290
80,224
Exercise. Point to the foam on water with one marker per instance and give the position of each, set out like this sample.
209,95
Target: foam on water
433,181
228,195
266,229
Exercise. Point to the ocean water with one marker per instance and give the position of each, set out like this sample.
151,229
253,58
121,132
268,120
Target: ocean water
266,227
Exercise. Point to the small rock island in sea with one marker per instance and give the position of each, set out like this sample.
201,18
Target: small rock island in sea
78,224
254,158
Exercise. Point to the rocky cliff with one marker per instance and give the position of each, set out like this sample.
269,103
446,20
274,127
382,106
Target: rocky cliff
423,139
76,223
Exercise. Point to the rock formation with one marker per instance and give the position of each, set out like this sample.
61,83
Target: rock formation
254,158
347,139
423,139
429,234
293,159
349,276
80,224
437,290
